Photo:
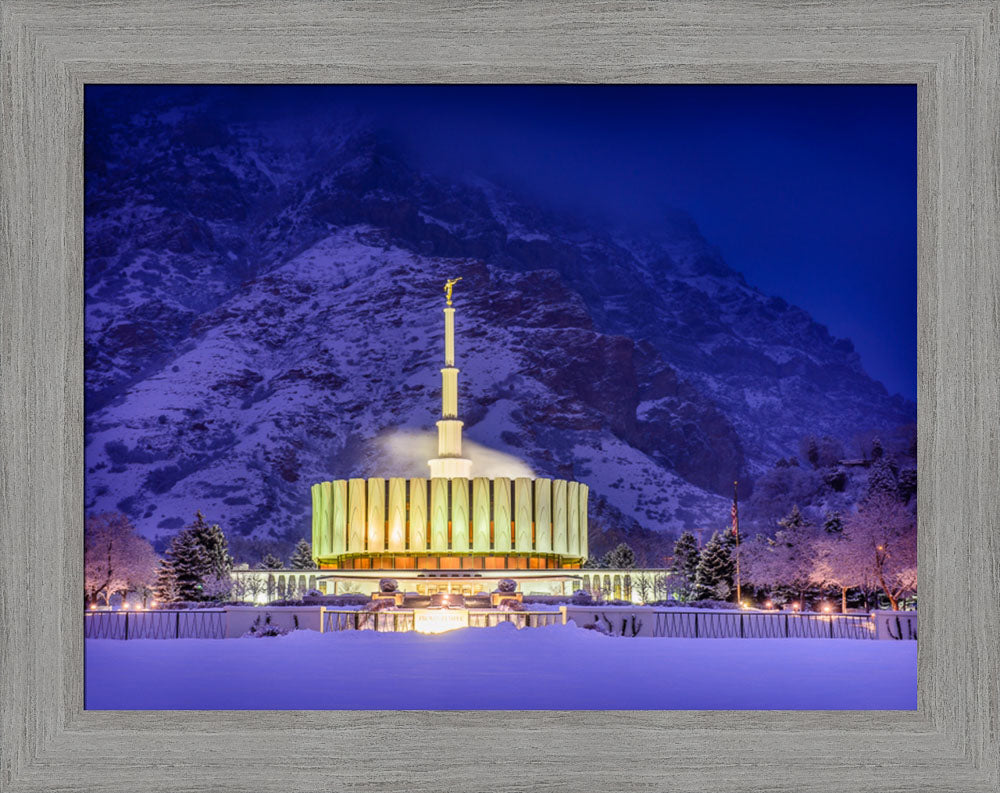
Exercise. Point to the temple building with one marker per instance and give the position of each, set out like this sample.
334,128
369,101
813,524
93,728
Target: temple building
451,531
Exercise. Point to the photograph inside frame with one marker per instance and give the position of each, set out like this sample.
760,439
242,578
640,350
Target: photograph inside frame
500,397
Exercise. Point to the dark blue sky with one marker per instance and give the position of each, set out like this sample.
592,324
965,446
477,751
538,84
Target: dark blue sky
809,191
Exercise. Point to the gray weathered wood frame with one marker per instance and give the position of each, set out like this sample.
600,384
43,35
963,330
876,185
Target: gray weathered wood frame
50,50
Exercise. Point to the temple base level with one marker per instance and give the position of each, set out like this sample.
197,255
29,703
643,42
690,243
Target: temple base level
638,585
468,583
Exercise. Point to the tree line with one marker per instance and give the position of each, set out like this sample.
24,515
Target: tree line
197,566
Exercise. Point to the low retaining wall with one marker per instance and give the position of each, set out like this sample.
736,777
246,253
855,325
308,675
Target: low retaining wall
633,620
240,618
900,625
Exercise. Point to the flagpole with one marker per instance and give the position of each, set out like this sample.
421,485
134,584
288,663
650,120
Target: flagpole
736,532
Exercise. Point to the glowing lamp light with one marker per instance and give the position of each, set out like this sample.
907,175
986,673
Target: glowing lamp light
93,606
124,606
795,606
768,604
826,608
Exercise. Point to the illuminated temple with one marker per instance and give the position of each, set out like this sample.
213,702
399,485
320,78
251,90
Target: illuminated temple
452,531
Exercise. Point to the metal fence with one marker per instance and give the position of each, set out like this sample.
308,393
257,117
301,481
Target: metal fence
403,619
672,623
676,623
488,618
155,624
360,620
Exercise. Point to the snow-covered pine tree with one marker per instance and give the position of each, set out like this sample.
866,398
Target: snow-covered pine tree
165,588
907,485
271,562
716,569
833,523
882,480
794,520
189,565
213,540
621,557
685,563
301,558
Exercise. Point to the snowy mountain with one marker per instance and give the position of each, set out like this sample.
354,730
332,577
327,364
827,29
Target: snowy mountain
264,311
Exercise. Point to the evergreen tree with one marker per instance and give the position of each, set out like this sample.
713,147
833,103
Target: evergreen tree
714,577
685,564
907,485
213,540
882,480
622,557
271,562
794,520
833,523
189,565
302,557
165,589
877,450
198,564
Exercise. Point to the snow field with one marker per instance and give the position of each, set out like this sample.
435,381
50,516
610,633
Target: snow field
559,667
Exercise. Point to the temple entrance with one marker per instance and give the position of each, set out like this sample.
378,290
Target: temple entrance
451,587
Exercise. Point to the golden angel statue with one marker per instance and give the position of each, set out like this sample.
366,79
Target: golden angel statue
449,285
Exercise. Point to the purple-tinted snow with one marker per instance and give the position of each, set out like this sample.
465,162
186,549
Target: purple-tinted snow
500,668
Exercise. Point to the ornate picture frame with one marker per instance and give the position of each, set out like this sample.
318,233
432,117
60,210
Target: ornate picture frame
50,50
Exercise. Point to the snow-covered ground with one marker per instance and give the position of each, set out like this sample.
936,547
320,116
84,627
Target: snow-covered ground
560,667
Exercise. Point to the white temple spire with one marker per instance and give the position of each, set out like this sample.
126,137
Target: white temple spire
449,462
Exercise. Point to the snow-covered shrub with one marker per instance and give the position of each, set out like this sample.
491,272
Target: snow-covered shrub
387,585
511,604
581,598
258,630
507,585
601,624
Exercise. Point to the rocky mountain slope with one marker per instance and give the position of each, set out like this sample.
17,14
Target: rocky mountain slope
263,312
